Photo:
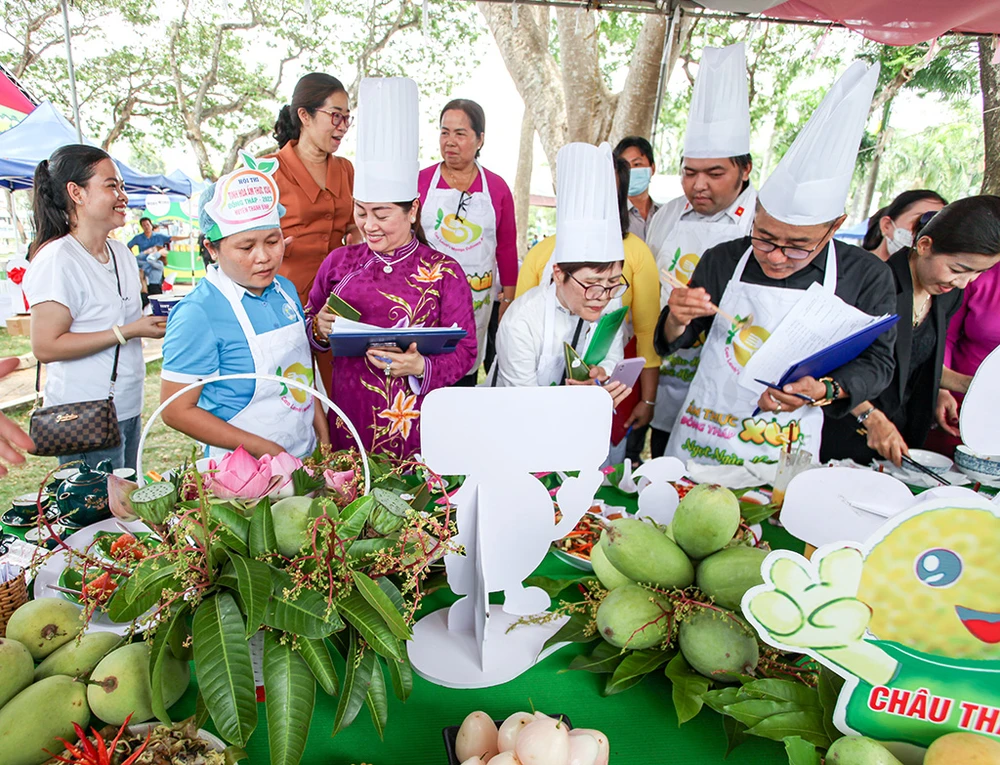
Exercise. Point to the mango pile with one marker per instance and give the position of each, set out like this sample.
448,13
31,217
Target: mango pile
639,563
76,677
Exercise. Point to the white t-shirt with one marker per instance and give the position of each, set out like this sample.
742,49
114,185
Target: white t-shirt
64,272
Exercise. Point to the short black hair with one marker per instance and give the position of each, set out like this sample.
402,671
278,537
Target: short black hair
146,217
475,113
636,142
970,225
744,162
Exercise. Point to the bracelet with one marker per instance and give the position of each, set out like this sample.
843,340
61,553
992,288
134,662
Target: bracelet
649,403
506,300
317,336
118,333
865,415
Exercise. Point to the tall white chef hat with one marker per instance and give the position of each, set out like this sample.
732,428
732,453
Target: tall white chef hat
719,118
588,228
810,184
388,156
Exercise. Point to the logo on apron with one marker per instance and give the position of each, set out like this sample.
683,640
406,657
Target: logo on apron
460,233
743,340
682,266
295,399
289,312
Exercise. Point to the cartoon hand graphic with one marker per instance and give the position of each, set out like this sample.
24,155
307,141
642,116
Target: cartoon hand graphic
818,611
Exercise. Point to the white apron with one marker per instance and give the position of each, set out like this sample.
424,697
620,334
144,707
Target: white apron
679,255
275,412
714,425
471,240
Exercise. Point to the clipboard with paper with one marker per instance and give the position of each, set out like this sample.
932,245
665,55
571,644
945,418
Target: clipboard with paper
354,338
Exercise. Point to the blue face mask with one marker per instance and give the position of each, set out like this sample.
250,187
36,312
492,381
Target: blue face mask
638,180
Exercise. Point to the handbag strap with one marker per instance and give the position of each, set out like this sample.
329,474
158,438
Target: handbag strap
118,348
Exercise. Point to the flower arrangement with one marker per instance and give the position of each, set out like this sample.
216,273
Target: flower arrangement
290,549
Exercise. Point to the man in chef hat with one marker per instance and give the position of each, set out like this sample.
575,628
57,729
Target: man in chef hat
581,282
717,206
759,279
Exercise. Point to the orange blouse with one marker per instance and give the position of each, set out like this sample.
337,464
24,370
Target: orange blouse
316,218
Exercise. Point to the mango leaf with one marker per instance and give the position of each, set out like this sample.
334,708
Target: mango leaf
360,548
553,586
636,665
828,688
317,656
385,522
377,701
392,591
381,602
369,622
392,502
234,754
357,678
290,695
200,712
573,631
755,513
175,621
736,733
752,711
354,517
146,576
303,483
225,673
688,688
605,658
719,699
783,690
254,586
401,675
807,725
261,538
306,614
230,519
801,752
130,601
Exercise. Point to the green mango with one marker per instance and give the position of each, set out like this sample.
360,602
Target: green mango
34,719
729,573
714,642
120,684
16,667
45,624
859,750
632,617
644,554
609,576
78,658
706,520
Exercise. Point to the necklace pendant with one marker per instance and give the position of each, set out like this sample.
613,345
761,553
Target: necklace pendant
387,269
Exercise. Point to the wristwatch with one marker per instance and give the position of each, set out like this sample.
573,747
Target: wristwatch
832,392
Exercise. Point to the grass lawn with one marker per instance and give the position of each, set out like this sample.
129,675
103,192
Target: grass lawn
164,447
13,345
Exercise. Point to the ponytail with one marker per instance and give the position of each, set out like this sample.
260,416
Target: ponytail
285,129
52,207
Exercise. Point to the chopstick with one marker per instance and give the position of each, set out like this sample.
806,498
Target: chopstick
677,283
927,471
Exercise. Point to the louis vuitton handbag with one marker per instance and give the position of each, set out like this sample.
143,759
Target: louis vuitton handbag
84,426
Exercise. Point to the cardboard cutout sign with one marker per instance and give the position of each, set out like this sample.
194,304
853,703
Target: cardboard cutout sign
910,618
506,520
980,417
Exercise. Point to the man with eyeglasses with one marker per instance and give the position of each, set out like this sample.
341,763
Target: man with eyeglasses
717,206
758,280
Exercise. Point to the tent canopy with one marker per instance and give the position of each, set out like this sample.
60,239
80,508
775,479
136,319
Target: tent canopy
45,130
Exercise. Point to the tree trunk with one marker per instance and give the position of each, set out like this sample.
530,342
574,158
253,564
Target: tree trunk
989,78
589,104
522,183
880,142
634,111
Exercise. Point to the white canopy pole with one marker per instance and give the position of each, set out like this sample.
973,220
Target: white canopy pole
661,86
72,73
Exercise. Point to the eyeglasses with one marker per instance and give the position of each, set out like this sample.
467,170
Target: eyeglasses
463,204
599,291
792,253
338,119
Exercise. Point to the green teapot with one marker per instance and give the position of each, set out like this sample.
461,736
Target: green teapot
83,497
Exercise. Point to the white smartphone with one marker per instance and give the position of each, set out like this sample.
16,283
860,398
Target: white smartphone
627,371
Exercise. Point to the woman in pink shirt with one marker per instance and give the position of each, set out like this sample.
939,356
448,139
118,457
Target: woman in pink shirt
973,333
468,213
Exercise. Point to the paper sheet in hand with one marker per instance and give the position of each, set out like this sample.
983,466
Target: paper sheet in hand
354,338
820,331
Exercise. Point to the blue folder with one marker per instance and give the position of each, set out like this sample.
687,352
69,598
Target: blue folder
834,356
429,340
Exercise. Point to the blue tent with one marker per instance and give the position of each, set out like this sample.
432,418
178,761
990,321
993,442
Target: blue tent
45,130
855,234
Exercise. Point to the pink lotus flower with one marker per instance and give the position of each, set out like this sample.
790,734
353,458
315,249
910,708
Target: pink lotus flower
282,468
342,484
240,476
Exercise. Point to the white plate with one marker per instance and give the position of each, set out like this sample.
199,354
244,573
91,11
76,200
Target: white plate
50,571
214,742
931,460
573,560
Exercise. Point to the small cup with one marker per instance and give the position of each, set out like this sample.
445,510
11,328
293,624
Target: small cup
790,464
127,474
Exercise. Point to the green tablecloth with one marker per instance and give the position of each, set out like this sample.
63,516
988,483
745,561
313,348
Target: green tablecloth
640,722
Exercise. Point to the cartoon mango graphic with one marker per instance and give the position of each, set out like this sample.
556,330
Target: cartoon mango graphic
455,230
481,282
299,373
748,340
683,266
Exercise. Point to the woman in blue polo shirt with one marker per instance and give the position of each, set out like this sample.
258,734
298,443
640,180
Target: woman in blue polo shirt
242,318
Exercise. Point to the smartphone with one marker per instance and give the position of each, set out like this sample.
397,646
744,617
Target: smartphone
627,371
342,308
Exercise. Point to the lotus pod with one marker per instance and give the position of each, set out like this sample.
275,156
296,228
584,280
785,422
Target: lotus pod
34,719
154,502
45,624
78,658
16,668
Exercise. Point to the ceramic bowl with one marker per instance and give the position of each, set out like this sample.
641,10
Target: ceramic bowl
971,463
214,742
933,461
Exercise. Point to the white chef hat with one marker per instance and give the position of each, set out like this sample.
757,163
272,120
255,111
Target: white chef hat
388,157
719,117
810,184
588,227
